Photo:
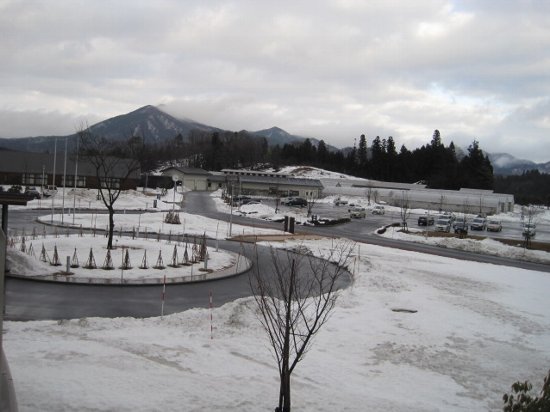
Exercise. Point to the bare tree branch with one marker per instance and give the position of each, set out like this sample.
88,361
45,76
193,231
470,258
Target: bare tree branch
295,298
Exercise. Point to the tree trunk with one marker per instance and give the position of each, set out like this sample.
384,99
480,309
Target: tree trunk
111,228
284,391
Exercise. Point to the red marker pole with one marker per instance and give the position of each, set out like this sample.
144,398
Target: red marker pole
211,324
163,296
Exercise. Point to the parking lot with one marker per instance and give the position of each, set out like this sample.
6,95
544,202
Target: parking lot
510,230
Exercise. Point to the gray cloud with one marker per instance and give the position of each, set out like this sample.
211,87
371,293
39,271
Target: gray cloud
331,69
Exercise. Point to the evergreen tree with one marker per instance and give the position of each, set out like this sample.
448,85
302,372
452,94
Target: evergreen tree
362,155
476,171
391,160
322,154
377,158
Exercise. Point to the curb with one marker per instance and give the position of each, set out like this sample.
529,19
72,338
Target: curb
243,265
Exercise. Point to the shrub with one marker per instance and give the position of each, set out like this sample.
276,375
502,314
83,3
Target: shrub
521,399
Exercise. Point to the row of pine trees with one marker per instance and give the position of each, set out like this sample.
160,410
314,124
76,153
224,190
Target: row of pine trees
437,165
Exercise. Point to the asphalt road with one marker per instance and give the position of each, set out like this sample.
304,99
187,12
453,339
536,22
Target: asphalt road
360,230
28,300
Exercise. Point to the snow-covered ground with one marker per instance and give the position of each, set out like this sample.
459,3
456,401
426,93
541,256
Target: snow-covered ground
478,328
82,199
88,248
154,223
486,246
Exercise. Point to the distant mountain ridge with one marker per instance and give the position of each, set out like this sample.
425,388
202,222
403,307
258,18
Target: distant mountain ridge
155,126
506,164
149,122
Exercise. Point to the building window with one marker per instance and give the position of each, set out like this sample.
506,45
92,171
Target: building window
110,182
32,179
80,181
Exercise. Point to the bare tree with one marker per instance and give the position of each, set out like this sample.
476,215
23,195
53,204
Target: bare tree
368,193
441,203
311,200
529,225
375,196
295,299
404,211
113,163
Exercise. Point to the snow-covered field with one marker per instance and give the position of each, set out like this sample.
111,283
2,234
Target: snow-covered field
478,329
82,199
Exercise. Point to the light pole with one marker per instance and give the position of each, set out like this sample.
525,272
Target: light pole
175,180
64,184
75,177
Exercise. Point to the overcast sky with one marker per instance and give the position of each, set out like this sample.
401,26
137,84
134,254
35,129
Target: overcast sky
331,69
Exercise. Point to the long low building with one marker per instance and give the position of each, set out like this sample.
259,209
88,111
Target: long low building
245,182
419,197
42,169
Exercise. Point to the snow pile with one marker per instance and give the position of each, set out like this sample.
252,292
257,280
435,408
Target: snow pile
478,328
486,246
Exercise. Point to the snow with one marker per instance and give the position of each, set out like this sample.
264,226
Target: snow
83,199
478,328
154,223
486,246
25,264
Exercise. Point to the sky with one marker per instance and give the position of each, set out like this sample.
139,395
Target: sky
330,69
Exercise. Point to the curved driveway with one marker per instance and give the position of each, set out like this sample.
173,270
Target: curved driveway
198,202
26,300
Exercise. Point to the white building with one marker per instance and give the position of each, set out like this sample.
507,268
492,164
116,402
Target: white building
418,196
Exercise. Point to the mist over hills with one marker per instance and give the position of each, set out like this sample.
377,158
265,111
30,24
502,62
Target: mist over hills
156,126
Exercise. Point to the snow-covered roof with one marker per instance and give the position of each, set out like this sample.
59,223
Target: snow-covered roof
186,170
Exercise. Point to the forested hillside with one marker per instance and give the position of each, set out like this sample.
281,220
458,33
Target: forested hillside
531,187
437,165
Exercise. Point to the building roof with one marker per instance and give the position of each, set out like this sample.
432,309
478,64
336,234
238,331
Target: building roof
37,163
282,181
186,171
245,172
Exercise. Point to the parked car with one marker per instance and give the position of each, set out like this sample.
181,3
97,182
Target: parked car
443,224
461,227
378,210
49,190
240,200
32,192
358,212
295,201
529,230
340,202
425,220
479,223
450,216
494,225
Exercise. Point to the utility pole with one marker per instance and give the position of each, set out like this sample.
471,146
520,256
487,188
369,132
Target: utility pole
75,177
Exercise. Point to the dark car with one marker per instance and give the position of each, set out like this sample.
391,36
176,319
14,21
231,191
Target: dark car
32,193
461,227
296,201
240,200
425,221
